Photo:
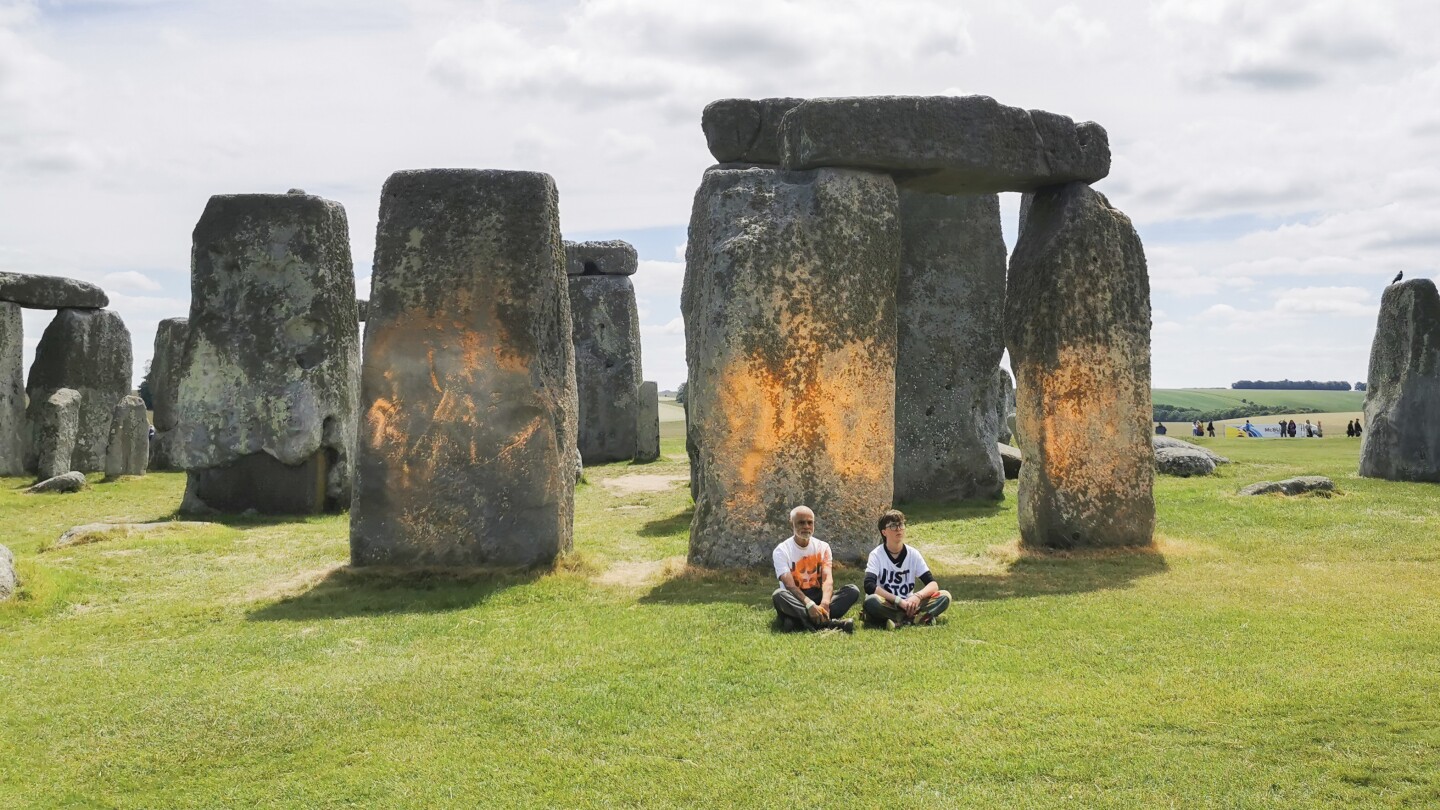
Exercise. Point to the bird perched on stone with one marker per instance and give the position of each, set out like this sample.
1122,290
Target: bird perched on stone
1397,278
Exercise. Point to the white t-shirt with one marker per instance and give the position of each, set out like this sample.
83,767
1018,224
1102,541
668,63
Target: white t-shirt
806,564
900,577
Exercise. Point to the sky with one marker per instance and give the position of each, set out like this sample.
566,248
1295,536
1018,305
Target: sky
1277,158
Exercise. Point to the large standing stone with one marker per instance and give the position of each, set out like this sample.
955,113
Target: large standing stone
945,144
12,390
647,424
949,301
270,374
87,350
607,348
1402,398
54,423
1078,319
789,305
51,292
744,130
1003,393
165,368
467,447
128,451
9,583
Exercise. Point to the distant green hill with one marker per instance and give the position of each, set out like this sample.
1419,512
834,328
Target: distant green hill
1184,404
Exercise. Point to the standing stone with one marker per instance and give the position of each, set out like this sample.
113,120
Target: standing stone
467,446
1078,318
51,292
789,305
607,347
949,302
647,424
54,423
270,374
12,391
1002,390
1402,400
87,350
9,583
743,130
165,368
128,450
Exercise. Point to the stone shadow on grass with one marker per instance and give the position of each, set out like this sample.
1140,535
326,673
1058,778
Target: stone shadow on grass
665,527
346,592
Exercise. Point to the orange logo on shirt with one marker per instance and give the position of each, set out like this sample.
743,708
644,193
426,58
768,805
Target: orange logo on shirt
807,571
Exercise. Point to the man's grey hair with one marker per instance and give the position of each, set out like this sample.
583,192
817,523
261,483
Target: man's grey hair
796,511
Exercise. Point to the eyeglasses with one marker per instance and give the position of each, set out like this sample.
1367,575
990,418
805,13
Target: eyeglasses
804,523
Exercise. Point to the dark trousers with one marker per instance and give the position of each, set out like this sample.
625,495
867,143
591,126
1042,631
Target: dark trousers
840,601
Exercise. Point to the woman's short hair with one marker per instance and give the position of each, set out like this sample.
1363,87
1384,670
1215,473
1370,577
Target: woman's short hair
892,517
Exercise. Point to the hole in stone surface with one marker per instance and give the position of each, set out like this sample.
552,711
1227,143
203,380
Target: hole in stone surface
609,364
930,411
591,269
310,357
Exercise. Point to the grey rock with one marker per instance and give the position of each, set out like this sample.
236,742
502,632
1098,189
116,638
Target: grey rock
51,292
165,367
89,351
1170,441
54,424
949,302
1011,458
96,532
647,423
1401,441
362,309
467,448
271,361
579,467
744,130
12,390
789,306
72,481
1010,425
945,144
606,324
1291,486
1078,320
128,451
1002,393
611,257
9,583
1183,462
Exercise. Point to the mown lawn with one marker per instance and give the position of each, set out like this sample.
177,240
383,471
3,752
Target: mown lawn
1269,653
1210,399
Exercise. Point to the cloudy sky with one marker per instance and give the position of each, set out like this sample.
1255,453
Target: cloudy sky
1278,158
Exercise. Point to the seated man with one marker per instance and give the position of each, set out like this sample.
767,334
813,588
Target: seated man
806,595
891,575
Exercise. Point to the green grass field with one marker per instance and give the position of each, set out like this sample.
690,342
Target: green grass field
1209,399
1268,653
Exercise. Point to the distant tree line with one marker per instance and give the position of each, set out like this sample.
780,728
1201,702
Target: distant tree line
1359,386
1167,413
1294,385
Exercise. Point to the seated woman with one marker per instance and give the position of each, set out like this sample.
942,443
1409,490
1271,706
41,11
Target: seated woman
892,576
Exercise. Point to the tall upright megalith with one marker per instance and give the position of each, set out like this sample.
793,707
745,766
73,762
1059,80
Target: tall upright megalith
1078,324
606,326
1002,394
165,368
647,424
1402,396
789,306
12,390
54,425
87,350
949,302
128,450
266,408
467,438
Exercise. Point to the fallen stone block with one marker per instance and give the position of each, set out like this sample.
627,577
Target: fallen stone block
1183,462
96,532
1170,441
51,292
1291,486
1011,458
72,481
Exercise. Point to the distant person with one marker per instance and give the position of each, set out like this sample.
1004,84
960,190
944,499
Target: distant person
806,596
1195,428
898,585
1350,428
1211,428
1160,429
1319,429
1309,430
1358,431
1292,428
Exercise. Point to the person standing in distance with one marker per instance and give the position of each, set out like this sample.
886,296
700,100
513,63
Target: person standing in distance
806,596
892,576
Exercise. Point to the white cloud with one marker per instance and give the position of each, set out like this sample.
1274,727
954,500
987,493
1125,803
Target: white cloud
129,280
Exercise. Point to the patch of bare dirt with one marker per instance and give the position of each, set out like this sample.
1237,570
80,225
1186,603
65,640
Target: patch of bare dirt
640,574
630,484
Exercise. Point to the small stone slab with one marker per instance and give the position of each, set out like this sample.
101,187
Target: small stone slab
54,422
1291,486
72,481
1183,462
1010,459
612,257
51,292
95,532
128,452
647,424
1168,441
9,583
745,130
945,144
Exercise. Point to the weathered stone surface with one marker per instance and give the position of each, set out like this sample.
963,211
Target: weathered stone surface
72,481
745,130
611,257
165,368
949,300
1011,458
12,390
789,305
1171,441
128,451
51,292
945,144
1291,486
467,449
271,360
1002,397
1183,462
54,423
97,532
362,309
1078,320
9,583
87,350
647,423
1401,441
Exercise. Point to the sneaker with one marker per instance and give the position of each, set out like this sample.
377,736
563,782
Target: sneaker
844,625
890,624
789,625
